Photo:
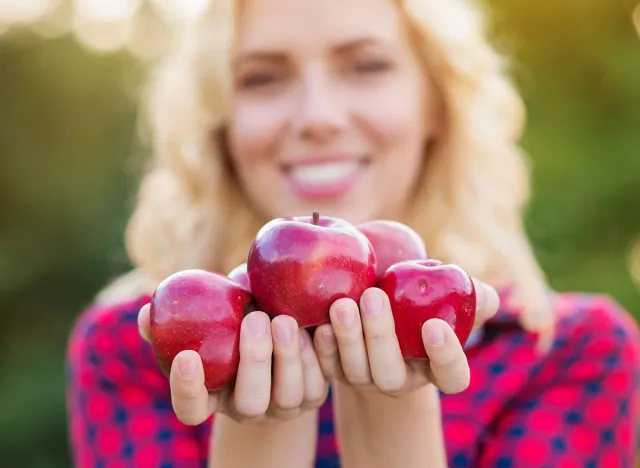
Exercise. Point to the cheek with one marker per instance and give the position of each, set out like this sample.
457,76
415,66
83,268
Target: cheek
395,112
397,125
254,130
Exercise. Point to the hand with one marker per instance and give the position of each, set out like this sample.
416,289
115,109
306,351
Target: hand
360,347
258,396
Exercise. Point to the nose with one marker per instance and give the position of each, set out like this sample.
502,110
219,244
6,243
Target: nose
321,112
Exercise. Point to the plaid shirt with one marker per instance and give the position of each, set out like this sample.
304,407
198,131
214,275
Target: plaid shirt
576,406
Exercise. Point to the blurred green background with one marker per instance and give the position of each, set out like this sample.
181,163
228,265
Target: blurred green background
69,152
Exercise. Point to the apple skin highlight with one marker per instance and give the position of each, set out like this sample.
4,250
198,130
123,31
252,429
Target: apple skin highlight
299,266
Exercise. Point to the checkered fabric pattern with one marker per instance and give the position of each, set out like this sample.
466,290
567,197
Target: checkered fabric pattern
576,406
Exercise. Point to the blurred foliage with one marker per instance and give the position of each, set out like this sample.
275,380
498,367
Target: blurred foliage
68,151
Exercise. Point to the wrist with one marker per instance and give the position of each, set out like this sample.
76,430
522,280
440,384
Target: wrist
428,397
239,444
380,430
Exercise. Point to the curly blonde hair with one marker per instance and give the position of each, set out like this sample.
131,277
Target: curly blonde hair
191,211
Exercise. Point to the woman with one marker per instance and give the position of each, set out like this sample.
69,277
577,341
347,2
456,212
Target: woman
363,109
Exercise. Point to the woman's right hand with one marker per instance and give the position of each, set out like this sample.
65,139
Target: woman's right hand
259,395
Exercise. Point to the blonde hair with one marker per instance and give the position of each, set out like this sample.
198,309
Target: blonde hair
191,211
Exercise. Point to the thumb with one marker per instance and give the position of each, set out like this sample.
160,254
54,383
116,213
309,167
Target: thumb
144,322
189,396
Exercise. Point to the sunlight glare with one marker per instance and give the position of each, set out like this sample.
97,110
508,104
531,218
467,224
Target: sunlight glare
151,36
106,10
25,11
104,36
179,10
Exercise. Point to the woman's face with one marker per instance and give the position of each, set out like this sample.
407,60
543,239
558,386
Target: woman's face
331,108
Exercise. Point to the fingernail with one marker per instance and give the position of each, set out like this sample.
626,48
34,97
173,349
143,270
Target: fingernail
434,333
284,331
304,339
373,302
345,315
257,325
187,368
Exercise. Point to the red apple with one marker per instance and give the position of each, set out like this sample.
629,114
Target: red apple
424,289
239,275
202,311
393,242
299,266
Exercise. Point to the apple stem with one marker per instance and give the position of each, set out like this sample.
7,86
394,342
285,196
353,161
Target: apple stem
316,217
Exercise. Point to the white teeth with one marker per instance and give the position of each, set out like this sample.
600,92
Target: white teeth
323,173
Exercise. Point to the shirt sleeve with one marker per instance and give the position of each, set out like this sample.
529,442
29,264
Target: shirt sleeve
581,408
119,402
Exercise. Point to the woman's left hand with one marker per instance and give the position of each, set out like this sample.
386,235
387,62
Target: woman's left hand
360,347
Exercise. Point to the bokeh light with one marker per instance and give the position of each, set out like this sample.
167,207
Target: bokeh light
25,12
142,27
108,12
179,10
104,35
150,37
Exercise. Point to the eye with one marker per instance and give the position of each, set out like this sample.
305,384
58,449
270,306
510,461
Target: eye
257,80
371,66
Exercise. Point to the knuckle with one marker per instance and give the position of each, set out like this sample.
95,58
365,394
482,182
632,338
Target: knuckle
359,380
252,402
258,356
391,384
288,402
316,398
286,354
312,404
378,334
347,333
250,407
244,419
349,339
330,370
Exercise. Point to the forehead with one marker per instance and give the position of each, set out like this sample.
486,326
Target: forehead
316,24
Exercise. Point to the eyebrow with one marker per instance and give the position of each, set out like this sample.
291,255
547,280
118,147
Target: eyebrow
358,43
277,56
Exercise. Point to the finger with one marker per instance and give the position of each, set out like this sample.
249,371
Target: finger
252,392
326,346
288,383
315,385
144,322
189,396
487,303
345,318
387,365
448,363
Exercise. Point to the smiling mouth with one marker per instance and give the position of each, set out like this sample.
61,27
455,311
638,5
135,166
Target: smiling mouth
325,178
